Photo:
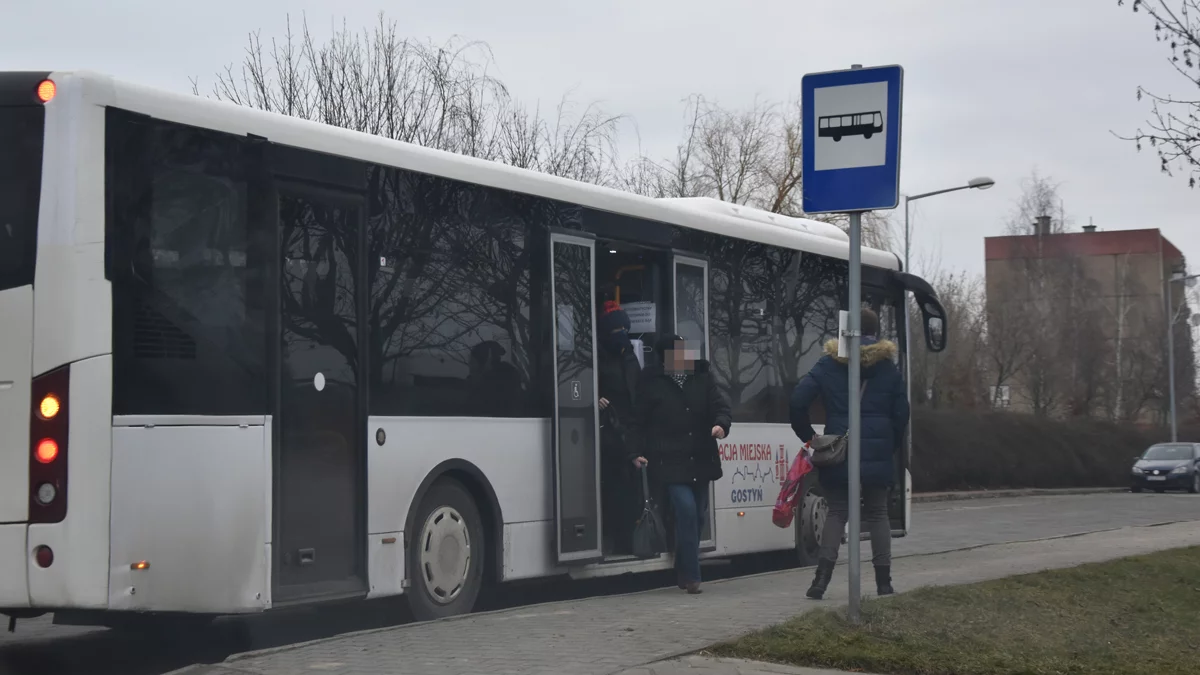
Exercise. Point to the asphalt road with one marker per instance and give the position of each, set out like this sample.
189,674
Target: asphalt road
40,647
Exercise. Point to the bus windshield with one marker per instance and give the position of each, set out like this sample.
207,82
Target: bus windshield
21,130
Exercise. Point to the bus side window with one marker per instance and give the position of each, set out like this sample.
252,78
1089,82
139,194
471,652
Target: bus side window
189,328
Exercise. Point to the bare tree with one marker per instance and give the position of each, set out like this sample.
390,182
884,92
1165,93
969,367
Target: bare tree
1174,124
1034,301
438,96
751,156
954,377
1057,304
1009,341
1040,198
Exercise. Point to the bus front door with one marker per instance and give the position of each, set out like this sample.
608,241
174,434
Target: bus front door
576,433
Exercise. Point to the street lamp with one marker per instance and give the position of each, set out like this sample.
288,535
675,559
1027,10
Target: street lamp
981,183
1189,281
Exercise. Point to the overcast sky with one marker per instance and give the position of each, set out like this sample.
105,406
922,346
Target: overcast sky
992,87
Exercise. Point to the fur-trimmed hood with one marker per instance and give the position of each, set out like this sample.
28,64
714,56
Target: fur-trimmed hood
872,352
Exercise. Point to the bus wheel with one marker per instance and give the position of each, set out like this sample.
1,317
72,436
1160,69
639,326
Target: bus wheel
868,135
836,139
813,511
446,556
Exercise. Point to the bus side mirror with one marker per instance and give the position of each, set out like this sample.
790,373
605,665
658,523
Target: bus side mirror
935,334
933,316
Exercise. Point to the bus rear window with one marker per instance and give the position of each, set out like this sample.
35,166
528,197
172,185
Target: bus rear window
21,132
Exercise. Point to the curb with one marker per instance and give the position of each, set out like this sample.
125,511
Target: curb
928,497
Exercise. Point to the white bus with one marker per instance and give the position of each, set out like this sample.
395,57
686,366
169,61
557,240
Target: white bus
248,361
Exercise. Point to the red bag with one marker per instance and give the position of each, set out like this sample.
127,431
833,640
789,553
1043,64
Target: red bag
789,493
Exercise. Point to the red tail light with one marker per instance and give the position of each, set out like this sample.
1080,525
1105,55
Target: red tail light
44,556
47,451
48,423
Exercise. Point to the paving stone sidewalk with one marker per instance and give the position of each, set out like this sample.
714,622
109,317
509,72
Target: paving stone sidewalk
607,635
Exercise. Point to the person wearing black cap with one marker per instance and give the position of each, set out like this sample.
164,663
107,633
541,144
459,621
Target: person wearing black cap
616,378
679,417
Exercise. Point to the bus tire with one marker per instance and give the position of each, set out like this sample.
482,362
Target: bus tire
810,524
446,558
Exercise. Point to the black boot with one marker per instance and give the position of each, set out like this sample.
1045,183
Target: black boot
821,581
883,580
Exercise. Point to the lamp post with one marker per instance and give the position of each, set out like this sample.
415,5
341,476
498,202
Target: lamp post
1188,280
981,183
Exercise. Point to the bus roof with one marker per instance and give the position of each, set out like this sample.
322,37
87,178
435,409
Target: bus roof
88,88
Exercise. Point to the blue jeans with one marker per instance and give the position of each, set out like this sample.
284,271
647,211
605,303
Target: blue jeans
689,504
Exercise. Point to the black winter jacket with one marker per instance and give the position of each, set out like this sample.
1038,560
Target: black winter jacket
617,380
672,426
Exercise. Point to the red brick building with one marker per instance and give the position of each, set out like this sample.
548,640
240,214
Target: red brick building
1077,322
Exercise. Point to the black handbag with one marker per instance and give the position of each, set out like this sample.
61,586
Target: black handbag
649,535
830,449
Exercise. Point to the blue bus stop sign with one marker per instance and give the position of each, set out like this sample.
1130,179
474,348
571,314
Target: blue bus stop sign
852,139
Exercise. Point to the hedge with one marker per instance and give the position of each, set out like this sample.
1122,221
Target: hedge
958,450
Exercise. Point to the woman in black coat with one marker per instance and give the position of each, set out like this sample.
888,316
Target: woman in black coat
679,417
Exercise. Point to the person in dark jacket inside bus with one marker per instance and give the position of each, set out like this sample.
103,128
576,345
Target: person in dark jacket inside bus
617,379
884,420
679,417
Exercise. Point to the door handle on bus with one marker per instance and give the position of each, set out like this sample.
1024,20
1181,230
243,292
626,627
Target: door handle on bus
308,556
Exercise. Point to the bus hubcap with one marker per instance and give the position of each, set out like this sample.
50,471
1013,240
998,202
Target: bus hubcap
445,554
815,511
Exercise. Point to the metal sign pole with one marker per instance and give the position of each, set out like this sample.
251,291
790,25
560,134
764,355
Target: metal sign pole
851,165
852,459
